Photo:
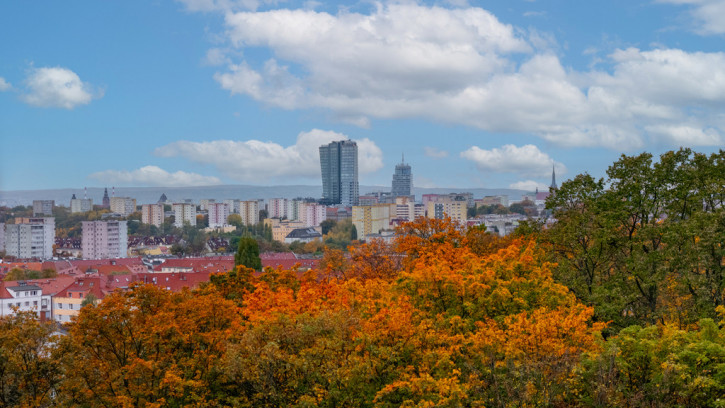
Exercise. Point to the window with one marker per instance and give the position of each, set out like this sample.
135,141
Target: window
27,303
35,292
35,303
60,305
70,306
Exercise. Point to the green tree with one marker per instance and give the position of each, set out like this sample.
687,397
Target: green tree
327,225
248,254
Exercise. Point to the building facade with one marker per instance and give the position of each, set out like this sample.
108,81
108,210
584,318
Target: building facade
152,214
30,237
184,212
402,180
218,214
104,239
249,211
123,205
233,205
43,207
371,219
80,205
277,208
456,209
338,164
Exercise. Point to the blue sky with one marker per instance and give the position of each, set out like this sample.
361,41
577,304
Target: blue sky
475,93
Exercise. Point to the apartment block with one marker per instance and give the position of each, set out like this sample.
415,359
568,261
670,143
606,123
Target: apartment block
233,206
2,236
43,207
104,239
277,208
184,212
30,237
123,205
371,219
152,214
444,206
204,204
80,205
249,211
218,214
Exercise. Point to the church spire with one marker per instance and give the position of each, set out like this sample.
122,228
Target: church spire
553,178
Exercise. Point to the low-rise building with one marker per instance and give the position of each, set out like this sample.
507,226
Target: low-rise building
303,235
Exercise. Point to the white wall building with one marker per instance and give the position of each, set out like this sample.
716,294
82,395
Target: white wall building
43,207
314,214
25,297
218,214
204,203
152,214
184,212
79,205
30,238
104,239
123,205
233,206
277,208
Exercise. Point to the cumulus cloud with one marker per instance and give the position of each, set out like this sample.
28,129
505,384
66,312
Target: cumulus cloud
464,66
524,160
4,85
56,87
254,160
529,185
707,15
155,177
435,153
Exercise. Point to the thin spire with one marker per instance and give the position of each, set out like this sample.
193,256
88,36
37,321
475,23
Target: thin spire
403,158
85,193
553,177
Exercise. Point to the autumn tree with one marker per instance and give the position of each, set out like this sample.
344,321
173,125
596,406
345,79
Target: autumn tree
29,367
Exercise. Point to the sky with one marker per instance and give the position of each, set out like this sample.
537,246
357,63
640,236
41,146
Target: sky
486,94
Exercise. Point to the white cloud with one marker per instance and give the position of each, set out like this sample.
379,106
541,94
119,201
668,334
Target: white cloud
707,15
254,160
154,176
529,185
524,160
463,66
684,135
4,85
57,87
435,153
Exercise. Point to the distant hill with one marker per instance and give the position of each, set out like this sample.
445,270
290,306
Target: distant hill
146,195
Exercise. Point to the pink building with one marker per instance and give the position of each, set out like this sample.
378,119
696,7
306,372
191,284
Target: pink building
277,208
218,214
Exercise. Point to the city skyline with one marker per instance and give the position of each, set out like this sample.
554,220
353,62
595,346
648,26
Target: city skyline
477,95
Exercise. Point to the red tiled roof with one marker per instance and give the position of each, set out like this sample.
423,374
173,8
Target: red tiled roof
174,282
49,286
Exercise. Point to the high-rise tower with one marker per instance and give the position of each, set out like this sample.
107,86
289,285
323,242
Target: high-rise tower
338,163
402,180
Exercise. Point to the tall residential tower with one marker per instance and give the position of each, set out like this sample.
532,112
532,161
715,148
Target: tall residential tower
338,162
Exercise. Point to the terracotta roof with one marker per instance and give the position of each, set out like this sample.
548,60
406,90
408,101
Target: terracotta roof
49,286
174,282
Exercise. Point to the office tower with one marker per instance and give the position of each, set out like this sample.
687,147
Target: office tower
43,207
152,214
338,163
218,214
30,238
123,205
184,212
402,180
104,239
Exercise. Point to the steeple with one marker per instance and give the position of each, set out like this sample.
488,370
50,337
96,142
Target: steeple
553,178
403,160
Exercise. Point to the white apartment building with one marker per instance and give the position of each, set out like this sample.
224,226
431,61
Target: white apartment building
277,208
79,205
123,205
25,297
152,214
218,214
43,207
204,203
249,211
104,239
184,212
409,211
30,238
371,219
292,207
233,206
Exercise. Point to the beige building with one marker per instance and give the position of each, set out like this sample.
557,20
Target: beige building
371,219
152,214
444,206
249,211
280,229
123,205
